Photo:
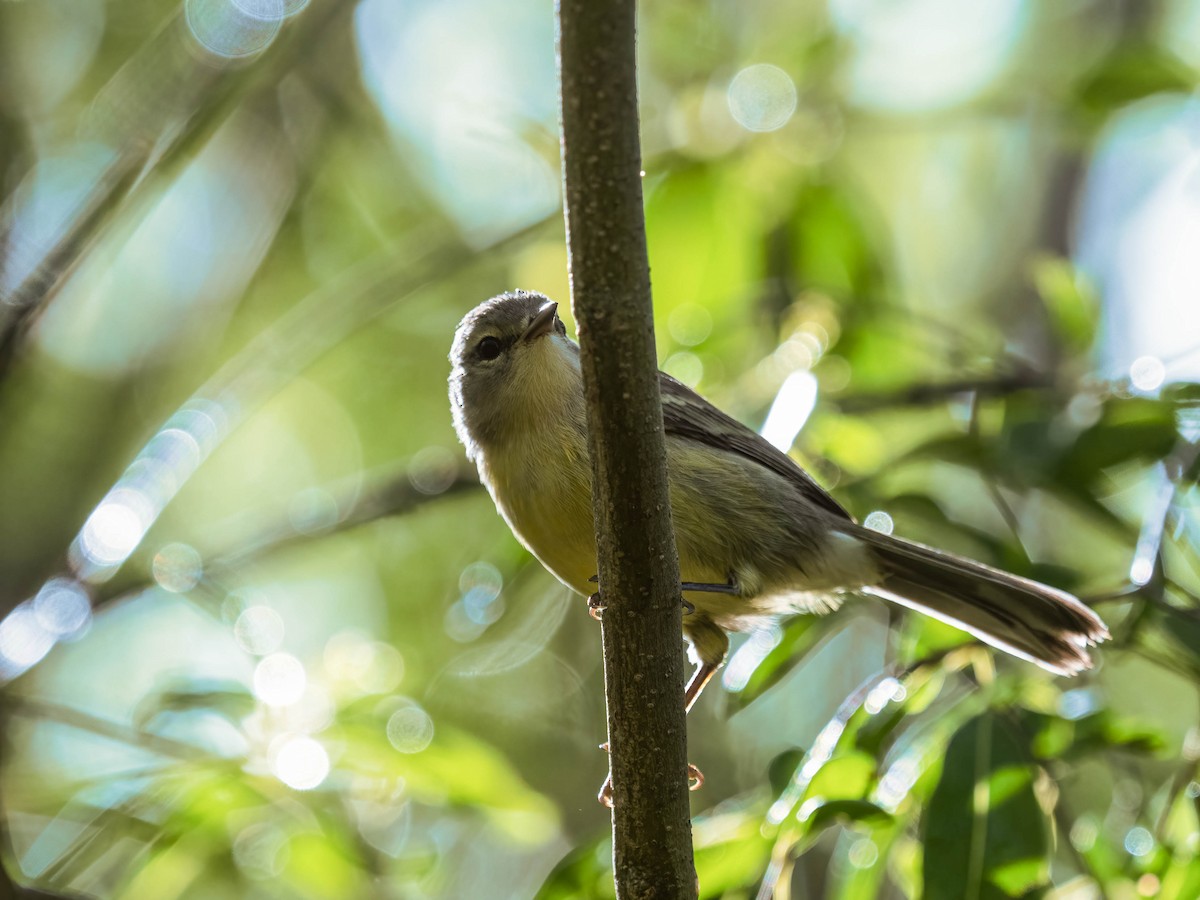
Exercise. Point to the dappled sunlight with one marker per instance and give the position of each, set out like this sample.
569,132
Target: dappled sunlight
263,630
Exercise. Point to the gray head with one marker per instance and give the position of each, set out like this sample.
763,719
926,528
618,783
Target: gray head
502,368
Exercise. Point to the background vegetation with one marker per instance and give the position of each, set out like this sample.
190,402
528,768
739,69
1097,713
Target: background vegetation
266,639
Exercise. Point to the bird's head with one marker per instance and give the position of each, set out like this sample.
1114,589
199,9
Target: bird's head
511,361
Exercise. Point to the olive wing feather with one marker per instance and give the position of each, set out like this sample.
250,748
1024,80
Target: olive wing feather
688,415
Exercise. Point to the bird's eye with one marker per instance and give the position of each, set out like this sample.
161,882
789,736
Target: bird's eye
489,348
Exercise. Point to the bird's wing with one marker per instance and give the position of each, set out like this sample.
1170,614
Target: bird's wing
688,415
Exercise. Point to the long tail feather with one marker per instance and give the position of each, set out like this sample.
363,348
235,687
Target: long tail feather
1022,617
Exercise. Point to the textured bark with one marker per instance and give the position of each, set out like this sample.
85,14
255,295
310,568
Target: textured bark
638,565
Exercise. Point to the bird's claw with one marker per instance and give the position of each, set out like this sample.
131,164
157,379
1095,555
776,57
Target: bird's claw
695,782
596,605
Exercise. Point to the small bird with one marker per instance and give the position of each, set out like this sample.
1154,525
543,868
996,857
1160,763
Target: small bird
757,536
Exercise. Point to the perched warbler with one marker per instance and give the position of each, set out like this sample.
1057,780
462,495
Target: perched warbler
757,536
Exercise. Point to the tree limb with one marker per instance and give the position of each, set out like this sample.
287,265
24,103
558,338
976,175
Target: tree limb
639,568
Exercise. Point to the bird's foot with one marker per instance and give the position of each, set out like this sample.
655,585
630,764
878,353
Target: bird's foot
695,782
596,604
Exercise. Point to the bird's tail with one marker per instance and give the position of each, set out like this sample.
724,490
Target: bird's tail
1027,619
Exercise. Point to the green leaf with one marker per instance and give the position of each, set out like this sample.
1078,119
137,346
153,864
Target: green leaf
322,866
985,833
831,247
839,811
1181,881
1129,430
844,777
730,850
1182,394
1134,70
583,874
456,768
1072,306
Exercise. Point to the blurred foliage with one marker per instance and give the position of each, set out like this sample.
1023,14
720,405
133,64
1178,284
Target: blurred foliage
267,639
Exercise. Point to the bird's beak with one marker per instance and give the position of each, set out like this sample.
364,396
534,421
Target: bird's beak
543,322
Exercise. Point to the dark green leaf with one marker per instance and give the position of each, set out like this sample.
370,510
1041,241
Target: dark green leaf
985,833
1133,71
583,874
839,811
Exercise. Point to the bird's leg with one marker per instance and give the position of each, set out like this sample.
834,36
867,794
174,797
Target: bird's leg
596,603
731,587
703,674
701,677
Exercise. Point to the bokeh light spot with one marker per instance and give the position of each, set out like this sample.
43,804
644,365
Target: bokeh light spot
1084,833
177,568
301,763
62,607
863,853
879,521
410,730
482,578
1142,570
685,367
1147,373
279,680
384,671
433,470
116,527
459,624
882,694
261,850
313,511
23,640
690,324
370,667
762,97
1139,841
234,28
792,406
259,630
481,583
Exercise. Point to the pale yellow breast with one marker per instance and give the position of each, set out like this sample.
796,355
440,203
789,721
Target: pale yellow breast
542,487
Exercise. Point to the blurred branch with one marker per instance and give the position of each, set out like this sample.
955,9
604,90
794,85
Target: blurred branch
75,718
932,394
159,106
394,494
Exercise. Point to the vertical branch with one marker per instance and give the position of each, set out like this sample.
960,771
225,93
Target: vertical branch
639,568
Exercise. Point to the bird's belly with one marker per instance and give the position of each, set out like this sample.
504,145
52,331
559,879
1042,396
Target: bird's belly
550,512
562,541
